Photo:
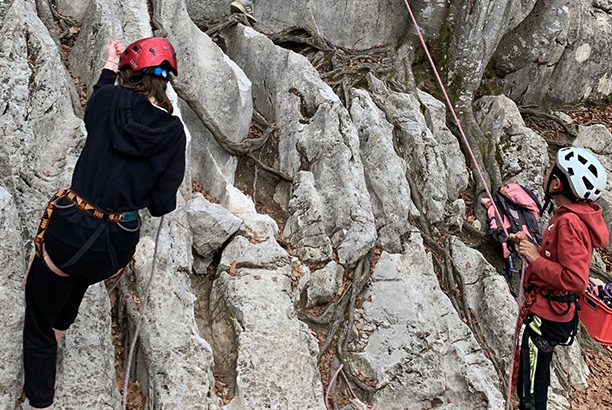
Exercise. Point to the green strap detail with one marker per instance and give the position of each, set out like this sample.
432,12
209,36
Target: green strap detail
535,324
533,364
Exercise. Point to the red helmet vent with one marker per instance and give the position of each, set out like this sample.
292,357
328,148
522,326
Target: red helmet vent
149,52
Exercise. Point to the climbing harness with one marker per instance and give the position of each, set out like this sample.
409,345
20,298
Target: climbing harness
141,310
88,208
531,293
93,211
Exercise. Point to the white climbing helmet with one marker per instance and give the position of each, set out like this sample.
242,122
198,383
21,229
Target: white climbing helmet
586,175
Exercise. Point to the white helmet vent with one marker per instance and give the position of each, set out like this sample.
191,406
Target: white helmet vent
585,174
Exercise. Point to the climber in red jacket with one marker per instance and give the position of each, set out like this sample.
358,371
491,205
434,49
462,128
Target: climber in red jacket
558,271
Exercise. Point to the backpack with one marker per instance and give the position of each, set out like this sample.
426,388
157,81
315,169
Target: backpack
520,211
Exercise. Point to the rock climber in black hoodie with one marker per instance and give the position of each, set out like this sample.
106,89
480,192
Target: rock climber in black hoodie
134,158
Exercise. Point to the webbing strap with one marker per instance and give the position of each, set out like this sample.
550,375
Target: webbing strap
75,258
96,212
44,221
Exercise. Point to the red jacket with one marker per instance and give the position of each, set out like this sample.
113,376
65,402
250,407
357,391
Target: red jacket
565,256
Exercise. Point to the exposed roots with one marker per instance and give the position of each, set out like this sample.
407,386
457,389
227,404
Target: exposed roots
341,315
567,128
341,68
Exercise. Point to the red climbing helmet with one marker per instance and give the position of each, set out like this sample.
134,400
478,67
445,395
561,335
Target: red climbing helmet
151,52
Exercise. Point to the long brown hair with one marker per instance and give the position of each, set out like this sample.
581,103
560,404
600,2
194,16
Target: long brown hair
147,84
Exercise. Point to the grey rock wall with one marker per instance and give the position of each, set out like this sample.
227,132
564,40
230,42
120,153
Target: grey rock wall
385,172
356,24
488,296
414,141
12,301
125,21
253,312
316,135
414,344
207,76
174,364
558,53
41,134
522,153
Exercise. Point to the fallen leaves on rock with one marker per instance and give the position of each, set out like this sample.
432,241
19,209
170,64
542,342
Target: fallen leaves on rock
599,393
196,187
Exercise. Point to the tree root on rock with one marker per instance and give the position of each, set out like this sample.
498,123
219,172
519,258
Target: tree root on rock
341,315
342,69
567,128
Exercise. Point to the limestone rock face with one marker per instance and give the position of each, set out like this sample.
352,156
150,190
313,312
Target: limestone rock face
210,165
126,21
488,296
598,140
203,11
41,135
435,116
354,24
305,230
385,171
359,24
477,30
316,135
523,153
256,330
174,363
73,8
558,53
413,342
207,77
12,303
415,143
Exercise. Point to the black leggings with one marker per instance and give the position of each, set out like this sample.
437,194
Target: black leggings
52,302
539,340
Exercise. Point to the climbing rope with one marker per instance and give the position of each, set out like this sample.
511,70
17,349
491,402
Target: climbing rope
141,311
521,297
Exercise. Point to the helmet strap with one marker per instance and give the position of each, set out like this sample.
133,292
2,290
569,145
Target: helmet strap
548,205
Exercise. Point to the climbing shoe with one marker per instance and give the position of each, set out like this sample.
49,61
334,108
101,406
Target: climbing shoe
243,7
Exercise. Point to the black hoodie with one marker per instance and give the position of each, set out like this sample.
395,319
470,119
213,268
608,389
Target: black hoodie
133,158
